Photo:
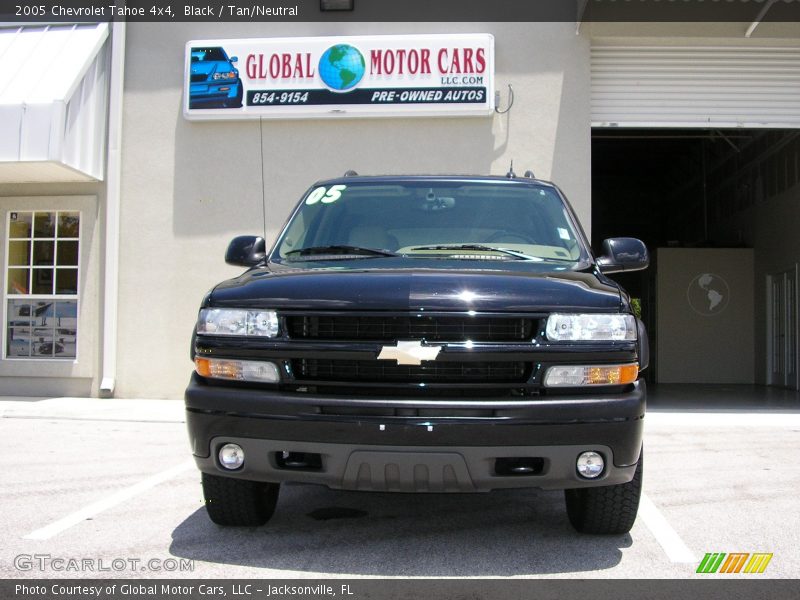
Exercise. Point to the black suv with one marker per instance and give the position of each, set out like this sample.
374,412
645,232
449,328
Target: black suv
423,334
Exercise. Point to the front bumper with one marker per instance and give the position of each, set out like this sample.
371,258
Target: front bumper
411,446
208,93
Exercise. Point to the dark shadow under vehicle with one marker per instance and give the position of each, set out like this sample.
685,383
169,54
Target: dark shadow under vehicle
316,530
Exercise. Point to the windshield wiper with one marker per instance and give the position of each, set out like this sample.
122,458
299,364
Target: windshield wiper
506,251
340,249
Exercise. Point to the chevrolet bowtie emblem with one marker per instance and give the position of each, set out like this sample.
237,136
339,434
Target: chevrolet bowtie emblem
409,353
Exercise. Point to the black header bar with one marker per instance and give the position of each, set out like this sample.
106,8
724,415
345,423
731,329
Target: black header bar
744,11
371,589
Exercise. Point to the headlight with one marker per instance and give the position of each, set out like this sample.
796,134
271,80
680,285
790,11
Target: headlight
234,321
226,75
591,327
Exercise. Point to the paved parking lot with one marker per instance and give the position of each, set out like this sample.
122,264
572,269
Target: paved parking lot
110,483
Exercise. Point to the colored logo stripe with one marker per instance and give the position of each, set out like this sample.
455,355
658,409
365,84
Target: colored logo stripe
734,562
758,563
711,562
714,562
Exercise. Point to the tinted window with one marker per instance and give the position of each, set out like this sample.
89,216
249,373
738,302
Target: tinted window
402,217
206,54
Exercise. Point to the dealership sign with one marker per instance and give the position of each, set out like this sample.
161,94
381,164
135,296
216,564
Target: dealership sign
359,76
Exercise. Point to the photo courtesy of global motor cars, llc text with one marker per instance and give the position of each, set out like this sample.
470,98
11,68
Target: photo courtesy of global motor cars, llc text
178,590
153,590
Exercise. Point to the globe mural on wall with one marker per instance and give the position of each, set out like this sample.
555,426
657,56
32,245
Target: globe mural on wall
341,67
708,294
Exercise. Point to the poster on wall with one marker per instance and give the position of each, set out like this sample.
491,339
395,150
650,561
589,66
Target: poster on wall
358,76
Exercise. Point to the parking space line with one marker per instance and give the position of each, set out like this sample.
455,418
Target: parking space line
665,535
119,497
706,419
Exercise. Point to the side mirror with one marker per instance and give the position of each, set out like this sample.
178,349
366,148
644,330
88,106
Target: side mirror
246,251
234,59
623,254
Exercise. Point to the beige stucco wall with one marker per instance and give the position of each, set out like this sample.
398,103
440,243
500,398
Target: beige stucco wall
188,187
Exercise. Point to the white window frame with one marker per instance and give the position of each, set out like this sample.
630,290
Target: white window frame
35,297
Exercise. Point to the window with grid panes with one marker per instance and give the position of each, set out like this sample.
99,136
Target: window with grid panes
41,291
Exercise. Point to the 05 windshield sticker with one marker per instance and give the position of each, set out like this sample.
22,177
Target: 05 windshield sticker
325,195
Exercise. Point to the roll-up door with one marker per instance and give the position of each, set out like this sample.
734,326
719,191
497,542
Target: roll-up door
695,86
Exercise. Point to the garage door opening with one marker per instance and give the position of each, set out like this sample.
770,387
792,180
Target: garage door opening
718,210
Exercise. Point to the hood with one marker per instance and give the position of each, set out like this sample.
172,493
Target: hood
207,67
418,289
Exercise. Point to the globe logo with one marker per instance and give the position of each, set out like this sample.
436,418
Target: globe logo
341,67
708,294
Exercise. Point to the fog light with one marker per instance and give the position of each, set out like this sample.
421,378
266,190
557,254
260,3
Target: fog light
590,465
231,456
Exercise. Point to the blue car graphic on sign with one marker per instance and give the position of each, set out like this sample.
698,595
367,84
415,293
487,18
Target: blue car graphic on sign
213,80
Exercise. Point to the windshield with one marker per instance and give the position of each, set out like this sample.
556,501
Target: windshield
208,54
445,219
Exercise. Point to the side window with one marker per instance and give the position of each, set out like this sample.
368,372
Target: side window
41,291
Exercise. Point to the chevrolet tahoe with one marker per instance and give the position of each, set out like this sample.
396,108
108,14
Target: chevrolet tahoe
423,334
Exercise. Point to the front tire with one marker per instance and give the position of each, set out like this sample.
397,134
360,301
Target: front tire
238,502
606,510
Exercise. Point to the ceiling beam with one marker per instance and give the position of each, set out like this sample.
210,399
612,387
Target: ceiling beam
581,9
767,5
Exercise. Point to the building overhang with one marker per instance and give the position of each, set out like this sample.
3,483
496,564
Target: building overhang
53,102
